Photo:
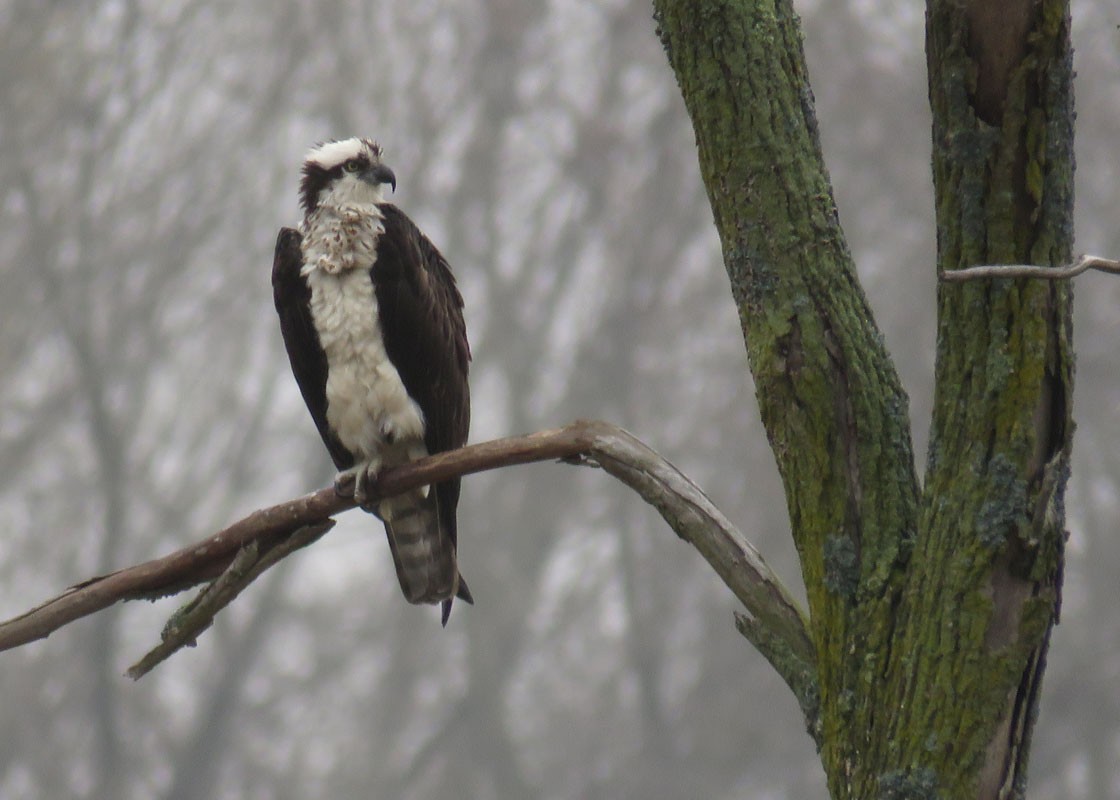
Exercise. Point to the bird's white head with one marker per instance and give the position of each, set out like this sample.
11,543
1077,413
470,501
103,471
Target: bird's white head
344,171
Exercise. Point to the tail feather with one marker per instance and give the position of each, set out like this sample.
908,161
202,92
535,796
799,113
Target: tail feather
423,552
463,594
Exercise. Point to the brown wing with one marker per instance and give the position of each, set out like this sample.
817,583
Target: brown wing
421,316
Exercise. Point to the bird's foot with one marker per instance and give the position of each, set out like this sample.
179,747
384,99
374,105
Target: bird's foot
357,482
344,482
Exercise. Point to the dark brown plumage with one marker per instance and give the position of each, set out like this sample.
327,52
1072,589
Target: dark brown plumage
418,311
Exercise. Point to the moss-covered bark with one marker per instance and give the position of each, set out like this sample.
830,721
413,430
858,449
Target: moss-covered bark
929,615
984,583
832,404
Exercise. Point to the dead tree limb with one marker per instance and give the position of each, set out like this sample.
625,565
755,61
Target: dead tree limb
775,623
186,624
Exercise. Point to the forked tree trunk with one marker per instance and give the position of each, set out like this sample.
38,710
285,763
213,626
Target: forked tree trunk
931,607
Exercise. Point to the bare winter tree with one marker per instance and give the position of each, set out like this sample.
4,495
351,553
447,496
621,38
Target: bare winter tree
150,154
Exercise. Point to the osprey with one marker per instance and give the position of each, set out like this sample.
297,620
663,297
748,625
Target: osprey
373,324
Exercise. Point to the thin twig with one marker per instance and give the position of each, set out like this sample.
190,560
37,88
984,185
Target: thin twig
1028,271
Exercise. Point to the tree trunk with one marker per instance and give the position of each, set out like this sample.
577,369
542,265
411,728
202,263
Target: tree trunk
930,610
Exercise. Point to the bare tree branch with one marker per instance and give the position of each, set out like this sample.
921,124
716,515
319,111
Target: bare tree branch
186,624
1082,264
777,625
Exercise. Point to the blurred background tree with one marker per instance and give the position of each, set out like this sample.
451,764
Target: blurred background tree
148,154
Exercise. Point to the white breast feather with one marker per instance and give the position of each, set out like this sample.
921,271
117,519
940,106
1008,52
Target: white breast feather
367,404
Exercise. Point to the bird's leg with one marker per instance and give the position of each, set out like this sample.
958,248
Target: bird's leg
416,451
402,446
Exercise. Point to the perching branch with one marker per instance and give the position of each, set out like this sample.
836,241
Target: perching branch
1028,271
776,623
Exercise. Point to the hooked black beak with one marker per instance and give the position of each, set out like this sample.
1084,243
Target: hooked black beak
380,174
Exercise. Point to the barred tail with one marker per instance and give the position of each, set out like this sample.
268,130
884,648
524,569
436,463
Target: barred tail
423,552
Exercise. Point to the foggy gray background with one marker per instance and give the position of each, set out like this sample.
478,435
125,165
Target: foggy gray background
149,151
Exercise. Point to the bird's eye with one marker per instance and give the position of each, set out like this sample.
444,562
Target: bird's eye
353,165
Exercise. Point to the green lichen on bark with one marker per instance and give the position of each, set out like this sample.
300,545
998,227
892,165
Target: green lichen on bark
987,562
815,353
915,784
930,618
841,566
834,410
794,669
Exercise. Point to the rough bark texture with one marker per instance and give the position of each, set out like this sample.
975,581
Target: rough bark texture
984,590
832,404
930,615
